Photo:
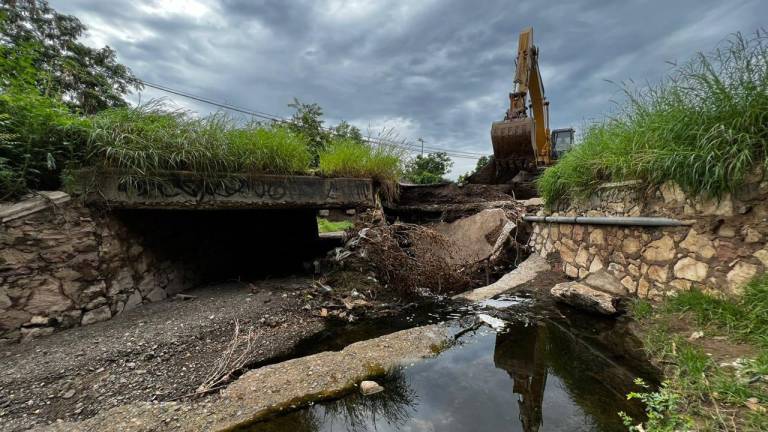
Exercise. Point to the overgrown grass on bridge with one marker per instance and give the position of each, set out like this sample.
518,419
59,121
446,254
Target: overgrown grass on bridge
149,139
705,126
345,157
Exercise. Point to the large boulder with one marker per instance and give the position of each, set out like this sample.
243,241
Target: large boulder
584,297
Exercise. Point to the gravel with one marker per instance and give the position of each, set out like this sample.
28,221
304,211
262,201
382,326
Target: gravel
158,352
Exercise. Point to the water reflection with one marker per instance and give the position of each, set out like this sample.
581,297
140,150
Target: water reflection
522,354
537,376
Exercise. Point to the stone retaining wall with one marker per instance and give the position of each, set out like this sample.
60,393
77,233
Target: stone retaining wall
68,265
723,248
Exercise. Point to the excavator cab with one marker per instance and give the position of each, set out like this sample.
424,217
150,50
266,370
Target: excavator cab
562,141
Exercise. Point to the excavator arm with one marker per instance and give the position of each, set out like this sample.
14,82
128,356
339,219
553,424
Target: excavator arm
522,139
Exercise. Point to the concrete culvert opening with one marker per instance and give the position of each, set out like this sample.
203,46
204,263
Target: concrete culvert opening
229,244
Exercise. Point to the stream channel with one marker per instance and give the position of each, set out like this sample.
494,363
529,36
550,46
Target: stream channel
550,368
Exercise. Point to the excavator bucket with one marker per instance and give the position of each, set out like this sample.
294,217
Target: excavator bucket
512,139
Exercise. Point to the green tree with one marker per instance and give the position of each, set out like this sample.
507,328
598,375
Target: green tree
483,161
346,130
428,169
308,120
38,133
87,79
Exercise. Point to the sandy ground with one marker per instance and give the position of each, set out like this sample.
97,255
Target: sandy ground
158,352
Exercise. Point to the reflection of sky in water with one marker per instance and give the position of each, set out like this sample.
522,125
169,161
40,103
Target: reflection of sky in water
467,389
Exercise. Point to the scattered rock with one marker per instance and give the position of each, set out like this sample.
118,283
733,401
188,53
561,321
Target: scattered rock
96,315
493,322
133,300
68,394
571,271
370,387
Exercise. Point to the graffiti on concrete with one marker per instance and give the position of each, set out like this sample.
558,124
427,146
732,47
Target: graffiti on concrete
267,188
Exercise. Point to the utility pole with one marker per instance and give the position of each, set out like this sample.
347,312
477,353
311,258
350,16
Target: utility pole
421,140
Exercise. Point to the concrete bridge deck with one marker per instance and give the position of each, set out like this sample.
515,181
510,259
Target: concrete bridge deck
187,191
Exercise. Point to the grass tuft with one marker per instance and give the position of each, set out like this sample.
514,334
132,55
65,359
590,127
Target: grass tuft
346,157
705,126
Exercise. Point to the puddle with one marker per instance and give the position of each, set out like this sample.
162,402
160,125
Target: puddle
545,371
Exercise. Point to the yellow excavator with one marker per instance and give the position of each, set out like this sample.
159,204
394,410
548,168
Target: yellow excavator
522,143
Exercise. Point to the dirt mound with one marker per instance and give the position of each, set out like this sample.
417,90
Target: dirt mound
450,193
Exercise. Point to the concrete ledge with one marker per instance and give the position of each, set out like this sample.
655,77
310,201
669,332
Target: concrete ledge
186,190
34,204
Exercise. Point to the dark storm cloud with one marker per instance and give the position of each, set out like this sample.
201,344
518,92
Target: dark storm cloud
434,69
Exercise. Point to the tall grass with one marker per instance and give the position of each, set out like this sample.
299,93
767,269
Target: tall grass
346,157
704,126
148,139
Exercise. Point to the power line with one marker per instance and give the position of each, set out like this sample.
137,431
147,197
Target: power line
266,116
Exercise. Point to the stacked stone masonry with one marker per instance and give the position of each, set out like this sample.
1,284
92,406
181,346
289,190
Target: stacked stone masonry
69,265
724,248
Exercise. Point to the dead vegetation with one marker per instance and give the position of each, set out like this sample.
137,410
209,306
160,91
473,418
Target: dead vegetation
406,260
239,352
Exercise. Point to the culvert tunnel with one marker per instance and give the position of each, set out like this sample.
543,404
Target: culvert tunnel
230,244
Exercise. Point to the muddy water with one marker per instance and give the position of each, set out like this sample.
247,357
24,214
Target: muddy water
549,369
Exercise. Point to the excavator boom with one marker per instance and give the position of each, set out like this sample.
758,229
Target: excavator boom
522,144
522,138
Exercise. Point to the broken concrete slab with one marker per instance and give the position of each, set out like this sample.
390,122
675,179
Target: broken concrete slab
586,298
31,204
523,273
604,281
477,237
269,389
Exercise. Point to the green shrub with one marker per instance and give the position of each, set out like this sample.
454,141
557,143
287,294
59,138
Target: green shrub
345,157
39,134
705,126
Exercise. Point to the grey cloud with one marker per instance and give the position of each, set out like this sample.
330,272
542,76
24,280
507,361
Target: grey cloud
445,66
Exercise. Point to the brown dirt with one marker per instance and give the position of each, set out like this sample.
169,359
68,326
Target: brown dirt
450,193
158,352
720,348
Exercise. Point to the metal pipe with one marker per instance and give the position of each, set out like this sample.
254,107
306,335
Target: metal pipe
608,220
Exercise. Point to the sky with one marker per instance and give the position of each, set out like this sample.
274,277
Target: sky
439,70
